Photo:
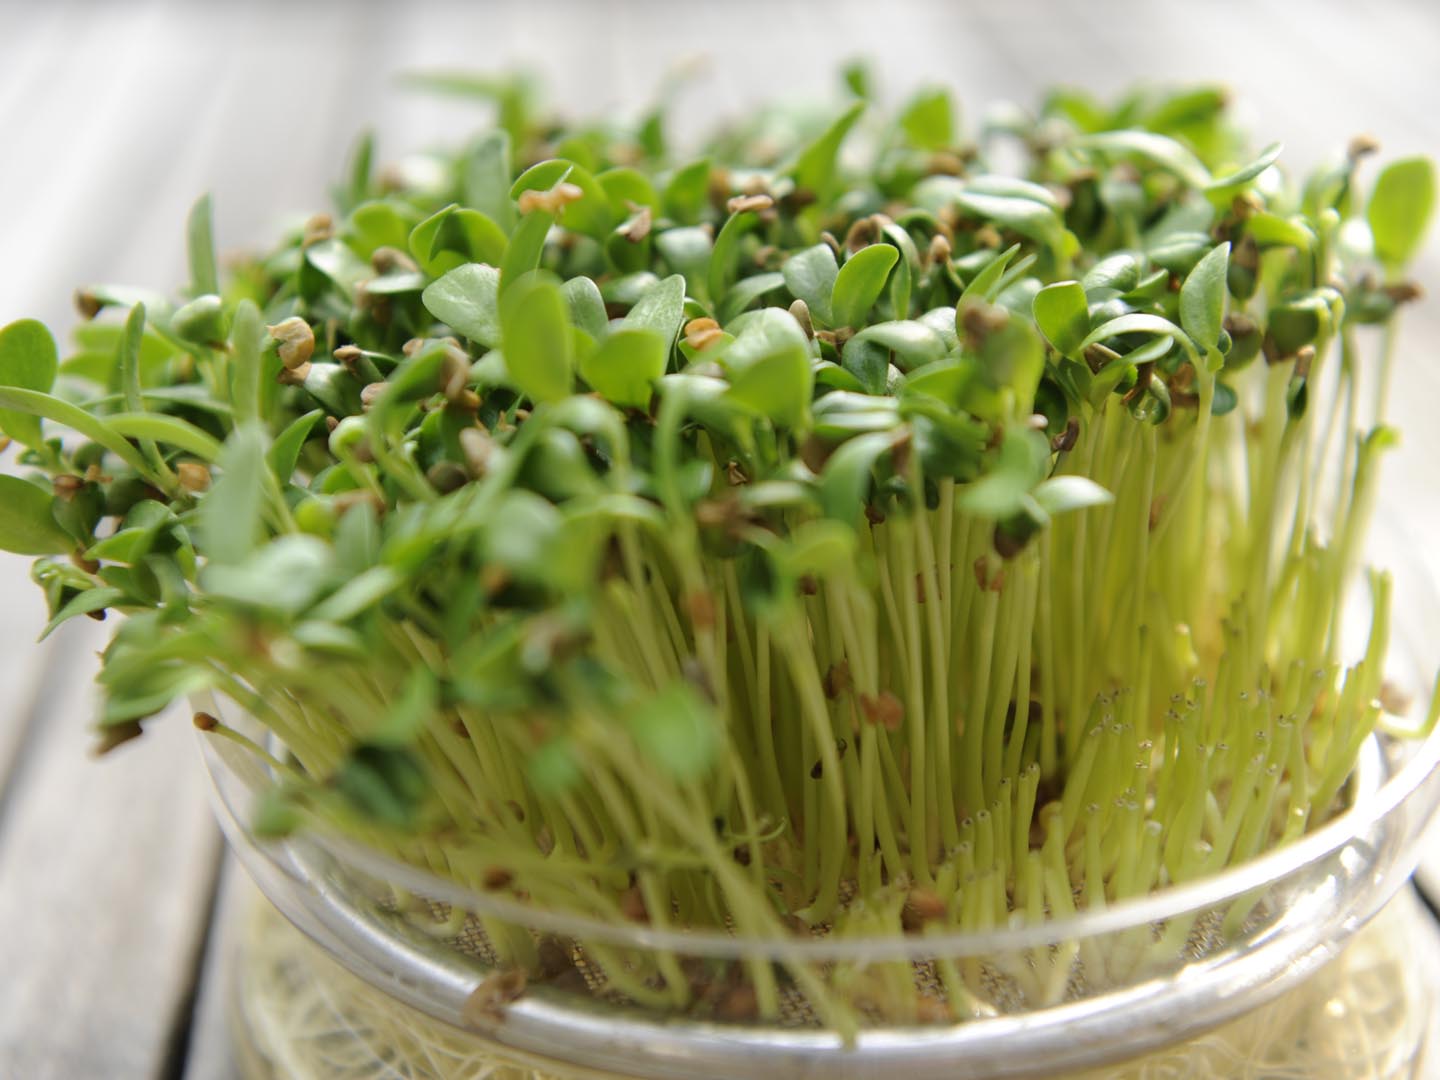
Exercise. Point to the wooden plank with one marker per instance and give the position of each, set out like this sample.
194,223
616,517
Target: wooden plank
108,868
211,1054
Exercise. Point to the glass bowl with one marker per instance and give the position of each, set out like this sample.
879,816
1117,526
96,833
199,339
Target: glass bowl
1046,999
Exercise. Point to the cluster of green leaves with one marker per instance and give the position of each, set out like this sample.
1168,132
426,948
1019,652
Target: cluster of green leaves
583,504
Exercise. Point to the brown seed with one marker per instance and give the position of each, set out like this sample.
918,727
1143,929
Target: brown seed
1394,700
700,334
884,709
113,735
496,877
1361,145
1157,508
638,227
837,679
552,201
929,1009
486,1003
293,376
205,722
739,1003
193,476
370,393
700,606
632,905
553,957
66,486
87,303
348,355
863,233
800,312
1065,440
939,251
386,259
90,566
742,204
921,906
319,227
295,339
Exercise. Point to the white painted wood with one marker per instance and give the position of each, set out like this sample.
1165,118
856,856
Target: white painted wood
107,870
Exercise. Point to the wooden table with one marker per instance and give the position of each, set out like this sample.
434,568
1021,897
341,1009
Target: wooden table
113,117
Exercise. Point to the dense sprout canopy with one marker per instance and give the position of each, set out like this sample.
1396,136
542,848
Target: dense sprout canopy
825,529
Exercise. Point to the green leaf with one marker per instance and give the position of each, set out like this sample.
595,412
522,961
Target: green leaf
745,292
1118,273
845,479
1400,208
454,236
985,285
1137,322
1156,149
1026,216
27,520
1024,456
814,168
341,266
166,429
1225,186
678,730
230,522
77,420
1063,315
553,767
387,784
928,120
28,362
1271,230
686,251
661,309
626,187
467,299
539,349
375,225
527,245
284,576
586,306
912,344
1202,298
485,179
776,385
200,322
357,595
357,178
83,603
200,244
624,366
285,451
1060,494
860,282
247,340
810,276
688,192
725,255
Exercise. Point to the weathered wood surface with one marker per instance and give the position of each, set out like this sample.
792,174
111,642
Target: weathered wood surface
114,116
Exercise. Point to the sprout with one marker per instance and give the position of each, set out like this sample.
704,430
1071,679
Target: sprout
879,585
